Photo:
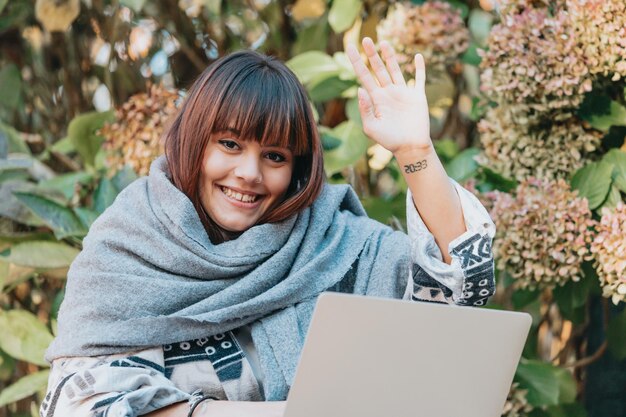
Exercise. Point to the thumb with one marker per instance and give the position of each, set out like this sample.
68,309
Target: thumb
366,107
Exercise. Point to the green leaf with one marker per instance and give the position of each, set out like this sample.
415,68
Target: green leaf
13,274
572,296
136,5
10,85
593,181
16,143
60,219
66,183
522,297
18,237
7,366
312,38
464,165
87,216
567,386
24,387
2,4
104,195
353,146
382,209
40,254
343,13
123,178
601,112
328,88
541,381
613,198
471,57
12,208
64,146
15,162
24,337
329,142
82,132
313,64
16,15
460,6
56,303
479,24
479,109
497,181
352,111
446,149
617,157
566,410
616,336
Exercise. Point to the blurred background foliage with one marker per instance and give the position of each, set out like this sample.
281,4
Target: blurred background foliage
528,109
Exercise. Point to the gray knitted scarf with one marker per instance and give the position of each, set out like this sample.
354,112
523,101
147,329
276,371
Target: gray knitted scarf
149,275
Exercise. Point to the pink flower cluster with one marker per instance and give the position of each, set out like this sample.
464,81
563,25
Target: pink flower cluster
134,138
544,230
534,59
609,250
600,28
517,149
435,29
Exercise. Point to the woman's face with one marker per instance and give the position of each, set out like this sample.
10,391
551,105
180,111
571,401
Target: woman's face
241,180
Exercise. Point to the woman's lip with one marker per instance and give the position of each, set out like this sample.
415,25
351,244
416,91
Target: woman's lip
239,190
237,203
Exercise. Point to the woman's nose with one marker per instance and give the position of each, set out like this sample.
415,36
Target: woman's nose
249,169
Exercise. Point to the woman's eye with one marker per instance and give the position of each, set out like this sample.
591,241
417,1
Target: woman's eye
229,144
275,157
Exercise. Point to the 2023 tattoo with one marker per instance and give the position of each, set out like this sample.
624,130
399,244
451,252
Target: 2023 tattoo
418,166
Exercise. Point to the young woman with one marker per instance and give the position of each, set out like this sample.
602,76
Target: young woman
194,290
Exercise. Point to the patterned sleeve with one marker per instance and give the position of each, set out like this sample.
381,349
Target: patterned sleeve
115,385
469,279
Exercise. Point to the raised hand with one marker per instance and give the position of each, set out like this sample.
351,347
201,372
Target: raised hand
394,114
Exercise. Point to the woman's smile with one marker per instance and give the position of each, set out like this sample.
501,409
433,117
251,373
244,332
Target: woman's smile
241,198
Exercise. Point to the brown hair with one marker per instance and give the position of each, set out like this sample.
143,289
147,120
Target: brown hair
263,100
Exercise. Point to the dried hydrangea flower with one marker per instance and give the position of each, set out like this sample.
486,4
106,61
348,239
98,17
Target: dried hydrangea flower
543,233
609,249
435,29
534,58
135,137
517,6
516,404
600,27
517,149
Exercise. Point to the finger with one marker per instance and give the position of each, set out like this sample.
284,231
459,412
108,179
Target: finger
361,71
420,71
366,107
376,63
392,63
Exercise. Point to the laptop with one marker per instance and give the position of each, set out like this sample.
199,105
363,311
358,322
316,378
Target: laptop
375,357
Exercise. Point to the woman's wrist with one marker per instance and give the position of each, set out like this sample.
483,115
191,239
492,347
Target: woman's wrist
413,158
198,404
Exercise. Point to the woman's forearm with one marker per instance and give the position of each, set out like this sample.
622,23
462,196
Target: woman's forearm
224,409
174,410
434,196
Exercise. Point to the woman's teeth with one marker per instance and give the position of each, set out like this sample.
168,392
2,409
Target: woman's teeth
245,198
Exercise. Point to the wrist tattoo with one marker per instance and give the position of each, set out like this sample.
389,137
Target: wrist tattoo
418,166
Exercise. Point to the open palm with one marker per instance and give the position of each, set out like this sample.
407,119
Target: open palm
394,114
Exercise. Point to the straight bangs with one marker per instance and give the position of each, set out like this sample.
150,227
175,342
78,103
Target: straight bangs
263,105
